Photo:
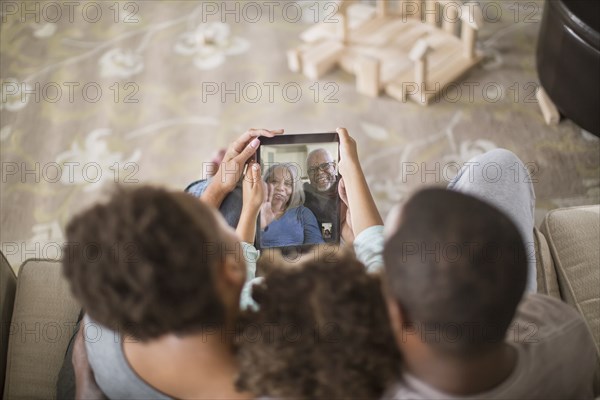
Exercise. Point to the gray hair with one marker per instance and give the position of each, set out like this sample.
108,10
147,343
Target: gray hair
314,152
297,197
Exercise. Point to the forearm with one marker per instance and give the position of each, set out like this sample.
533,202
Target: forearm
363,210
213,195
246,228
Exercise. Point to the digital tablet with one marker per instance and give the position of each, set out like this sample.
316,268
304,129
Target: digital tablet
302,204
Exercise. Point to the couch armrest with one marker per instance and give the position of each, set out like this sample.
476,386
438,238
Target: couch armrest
547,282
43,321
8,287
573,235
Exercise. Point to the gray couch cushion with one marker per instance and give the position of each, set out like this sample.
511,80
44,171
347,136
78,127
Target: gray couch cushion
44,317
8,287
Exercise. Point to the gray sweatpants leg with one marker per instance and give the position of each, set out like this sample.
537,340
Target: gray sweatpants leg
500,178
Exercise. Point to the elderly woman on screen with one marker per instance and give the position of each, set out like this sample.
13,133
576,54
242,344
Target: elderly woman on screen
284,220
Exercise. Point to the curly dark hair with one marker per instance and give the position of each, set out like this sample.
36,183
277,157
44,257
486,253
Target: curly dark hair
324,333
145,261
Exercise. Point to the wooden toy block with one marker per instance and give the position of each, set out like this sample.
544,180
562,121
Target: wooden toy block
396,91
382,8
410,9
385,33
319,32
431,12
368,76
439,55
390,70
355,18
412,35
472,19
294,57
453,67
419,55
469,37
437,40
342,28
393,62
294,61
549,110
396,7
450,18
360,13
362,35
396,87
343,5
320,59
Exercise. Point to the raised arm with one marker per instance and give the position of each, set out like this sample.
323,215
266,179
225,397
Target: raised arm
363,211
252,195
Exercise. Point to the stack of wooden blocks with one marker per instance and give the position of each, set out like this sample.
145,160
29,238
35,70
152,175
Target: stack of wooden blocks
409,49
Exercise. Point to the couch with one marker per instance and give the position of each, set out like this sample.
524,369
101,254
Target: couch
39,312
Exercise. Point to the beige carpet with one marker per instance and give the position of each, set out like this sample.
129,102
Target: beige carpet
152,55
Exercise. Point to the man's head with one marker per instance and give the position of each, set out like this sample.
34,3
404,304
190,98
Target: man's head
321,169
455,271
151,262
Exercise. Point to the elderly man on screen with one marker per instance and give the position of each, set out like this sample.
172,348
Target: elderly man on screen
322,192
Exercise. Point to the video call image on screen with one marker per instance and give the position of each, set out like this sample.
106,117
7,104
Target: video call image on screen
302,206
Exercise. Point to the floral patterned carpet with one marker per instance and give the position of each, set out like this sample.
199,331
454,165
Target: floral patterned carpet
146,91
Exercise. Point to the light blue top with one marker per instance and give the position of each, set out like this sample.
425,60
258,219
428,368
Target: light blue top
296,227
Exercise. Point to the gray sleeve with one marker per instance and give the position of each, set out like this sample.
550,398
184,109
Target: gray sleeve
250,258
113,374
368,246
231,208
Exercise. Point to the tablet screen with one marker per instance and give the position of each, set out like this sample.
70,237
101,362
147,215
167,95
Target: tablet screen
302,200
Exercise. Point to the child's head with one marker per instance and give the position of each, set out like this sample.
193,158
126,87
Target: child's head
151,262
321,331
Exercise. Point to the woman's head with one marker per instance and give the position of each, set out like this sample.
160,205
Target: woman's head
151,262
324,332
286,185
